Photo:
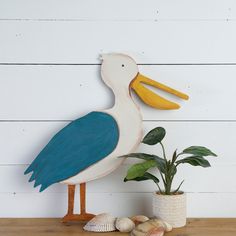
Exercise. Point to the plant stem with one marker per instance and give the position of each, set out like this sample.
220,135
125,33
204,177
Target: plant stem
168,185
178,187
159,188
163,150
164,182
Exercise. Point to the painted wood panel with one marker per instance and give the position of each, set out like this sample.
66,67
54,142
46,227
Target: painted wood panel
119,204
160,32
151,42
20,142
68,92
118,10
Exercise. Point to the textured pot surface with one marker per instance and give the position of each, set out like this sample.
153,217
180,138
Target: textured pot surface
170,208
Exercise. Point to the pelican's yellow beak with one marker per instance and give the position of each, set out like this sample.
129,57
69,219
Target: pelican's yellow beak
152,99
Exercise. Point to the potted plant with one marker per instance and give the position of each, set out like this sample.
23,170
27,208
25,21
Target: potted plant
169,203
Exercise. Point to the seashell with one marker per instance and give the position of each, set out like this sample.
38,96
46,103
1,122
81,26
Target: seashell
101,223
139,219
153,227
124,224
168,227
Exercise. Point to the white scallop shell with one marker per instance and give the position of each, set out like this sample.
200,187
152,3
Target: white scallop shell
124,224
101,223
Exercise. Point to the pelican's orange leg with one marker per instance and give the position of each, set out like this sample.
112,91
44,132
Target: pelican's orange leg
83,216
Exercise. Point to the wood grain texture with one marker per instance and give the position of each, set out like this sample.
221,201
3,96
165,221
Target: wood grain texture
43,227
122,10
60,92
66,42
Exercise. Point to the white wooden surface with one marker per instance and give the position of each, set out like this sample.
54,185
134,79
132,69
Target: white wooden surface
49,75
148,42
120,204
123,10
60,92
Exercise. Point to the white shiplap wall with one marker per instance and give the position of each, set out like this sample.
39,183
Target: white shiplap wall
49,75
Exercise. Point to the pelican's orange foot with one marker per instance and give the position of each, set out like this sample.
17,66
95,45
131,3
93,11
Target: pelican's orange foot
77,217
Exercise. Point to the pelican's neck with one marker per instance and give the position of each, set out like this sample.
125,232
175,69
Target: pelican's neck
123,101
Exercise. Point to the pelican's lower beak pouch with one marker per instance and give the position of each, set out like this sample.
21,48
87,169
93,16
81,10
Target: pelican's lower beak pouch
151,98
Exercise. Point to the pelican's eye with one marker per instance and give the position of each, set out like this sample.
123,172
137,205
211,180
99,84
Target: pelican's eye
123,65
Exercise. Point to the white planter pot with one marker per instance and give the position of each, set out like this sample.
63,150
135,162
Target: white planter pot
170,208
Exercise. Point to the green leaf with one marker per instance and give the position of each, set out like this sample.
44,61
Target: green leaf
146,176
195,161
138,170
154,136
174,157
173,170
199,151
143,156
160,162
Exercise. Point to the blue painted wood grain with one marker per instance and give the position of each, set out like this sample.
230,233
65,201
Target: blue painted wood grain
80,144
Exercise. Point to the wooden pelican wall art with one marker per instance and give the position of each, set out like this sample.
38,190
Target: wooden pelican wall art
88,147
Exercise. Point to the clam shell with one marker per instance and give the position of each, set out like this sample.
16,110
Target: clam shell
139,219
153,227
124,224
101,223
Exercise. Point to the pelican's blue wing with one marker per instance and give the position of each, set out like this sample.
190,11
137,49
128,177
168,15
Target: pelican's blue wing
79,145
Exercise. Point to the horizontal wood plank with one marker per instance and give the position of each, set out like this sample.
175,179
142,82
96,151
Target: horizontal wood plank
12,180
44,227
118,10
52,226
41,227
118,204
82,42
68,92
21,141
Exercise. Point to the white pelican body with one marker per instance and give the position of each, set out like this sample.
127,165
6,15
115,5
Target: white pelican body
129,119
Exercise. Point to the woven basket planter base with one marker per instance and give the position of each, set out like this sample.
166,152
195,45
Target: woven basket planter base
170,208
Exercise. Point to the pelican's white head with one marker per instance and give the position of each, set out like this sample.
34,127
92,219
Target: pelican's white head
120,72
